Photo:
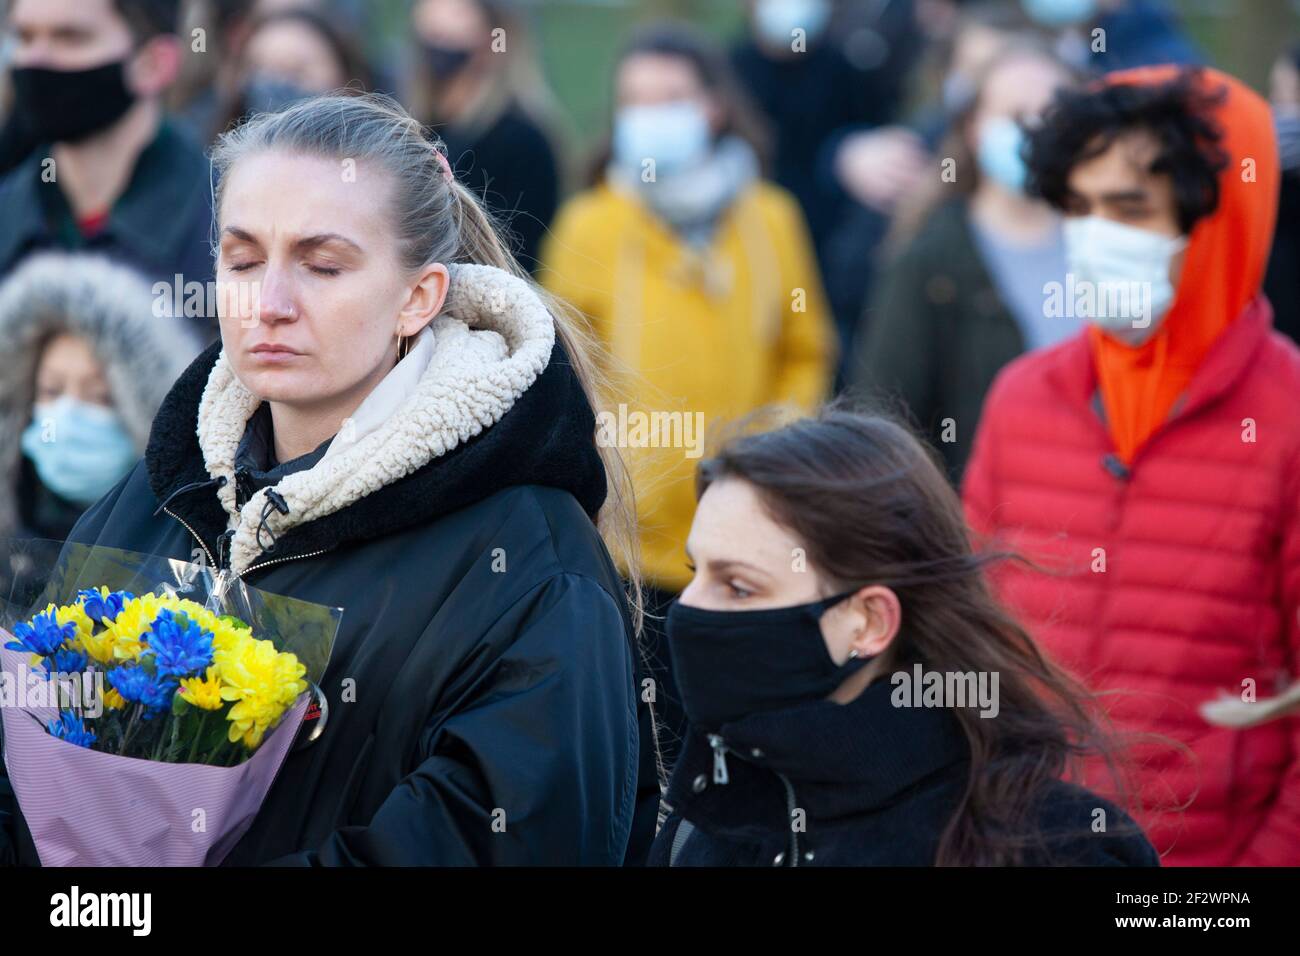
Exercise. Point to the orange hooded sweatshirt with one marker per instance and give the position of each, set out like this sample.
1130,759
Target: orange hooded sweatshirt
1222,270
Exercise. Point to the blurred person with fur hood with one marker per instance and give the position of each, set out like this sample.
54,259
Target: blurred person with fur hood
87,363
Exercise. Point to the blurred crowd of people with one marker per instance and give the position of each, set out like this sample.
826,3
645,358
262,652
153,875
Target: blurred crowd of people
854,197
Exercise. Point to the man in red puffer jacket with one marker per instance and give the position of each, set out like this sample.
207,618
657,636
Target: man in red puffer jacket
1150,466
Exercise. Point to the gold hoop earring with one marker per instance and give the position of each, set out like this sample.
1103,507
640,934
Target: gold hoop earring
403,346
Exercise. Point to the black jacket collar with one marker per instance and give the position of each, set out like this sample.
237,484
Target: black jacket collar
546,438
152,218
255,457
841,760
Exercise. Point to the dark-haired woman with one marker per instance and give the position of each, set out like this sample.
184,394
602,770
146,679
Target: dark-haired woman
855,695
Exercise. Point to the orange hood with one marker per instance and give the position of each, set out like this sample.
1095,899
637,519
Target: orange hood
1224,264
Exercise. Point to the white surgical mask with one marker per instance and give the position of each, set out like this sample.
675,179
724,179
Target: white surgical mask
675,135
1126,271
80,450
1060,13
776,20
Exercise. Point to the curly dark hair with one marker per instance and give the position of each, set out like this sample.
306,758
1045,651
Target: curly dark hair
1082,124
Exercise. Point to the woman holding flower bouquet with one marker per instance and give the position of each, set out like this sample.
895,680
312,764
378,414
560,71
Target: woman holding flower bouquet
397,422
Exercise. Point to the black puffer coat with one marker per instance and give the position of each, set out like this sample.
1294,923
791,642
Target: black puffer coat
484,624
858,784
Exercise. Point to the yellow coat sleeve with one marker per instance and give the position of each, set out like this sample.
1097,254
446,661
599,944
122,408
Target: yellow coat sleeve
573,268
807,349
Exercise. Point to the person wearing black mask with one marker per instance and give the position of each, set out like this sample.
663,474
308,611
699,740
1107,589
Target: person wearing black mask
109,173
855,694
477,82
291,55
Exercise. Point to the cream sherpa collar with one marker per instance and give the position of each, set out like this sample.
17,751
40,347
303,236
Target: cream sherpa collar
492,340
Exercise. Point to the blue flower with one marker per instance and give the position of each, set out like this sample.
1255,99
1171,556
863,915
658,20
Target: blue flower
138,686
42,635
99,607
69,727
178,645
66,661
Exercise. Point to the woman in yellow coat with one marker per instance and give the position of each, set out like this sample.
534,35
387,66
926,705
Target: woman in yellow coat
700,280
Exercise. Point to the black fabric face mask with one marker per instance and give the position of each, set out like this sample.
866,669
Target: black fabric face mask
445,62
66,106
730,664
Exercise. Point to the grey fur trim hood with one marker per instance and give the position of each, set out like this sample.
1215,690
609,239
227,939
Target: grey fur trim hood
110,305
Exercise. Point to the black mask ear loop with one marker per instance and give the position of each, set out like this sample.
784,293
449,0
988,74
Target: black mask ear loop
854,662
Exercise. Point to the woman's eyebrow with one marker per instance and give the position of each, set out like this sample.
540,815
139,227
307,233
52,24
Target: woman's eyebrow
242,235
312,242
306,243
719,565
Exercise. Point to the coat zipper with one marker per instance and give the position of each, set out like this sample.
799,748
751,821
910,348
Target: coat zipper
238,574
721,776
789,817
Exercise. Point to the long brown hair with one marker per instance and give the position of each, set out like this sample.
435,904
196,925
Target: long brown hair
872,506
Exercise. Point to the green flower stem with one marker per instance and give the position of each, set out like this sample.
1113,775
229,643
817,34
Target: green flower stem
198,735
130,728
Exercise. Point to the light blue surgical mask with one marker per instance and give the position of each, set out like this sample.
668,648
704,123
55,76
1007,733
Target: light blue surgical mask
999,153
79,450
675,135
1059,13
776,20
1124,271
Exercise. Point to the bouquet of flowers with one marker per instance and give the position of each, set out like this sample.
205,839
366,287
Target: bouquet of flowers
181,700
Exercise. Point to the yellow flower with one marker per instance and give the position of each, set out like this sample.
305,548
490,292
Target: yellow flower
136,619
263,682
98,645
113,700
75,614
203,692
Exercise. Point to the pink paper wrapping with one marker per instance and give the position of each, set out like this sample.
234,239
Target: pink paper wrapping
87,808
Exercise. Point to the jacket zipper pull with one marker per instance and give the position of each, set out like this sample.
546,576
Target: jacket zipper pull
217,594
221,579
719,759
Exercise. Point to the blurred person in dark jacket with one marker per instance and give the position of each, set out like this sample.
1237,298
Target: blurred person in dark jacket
964,294
1282,281
87,363
797,73
111,174
477,81
1107,35
875,168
